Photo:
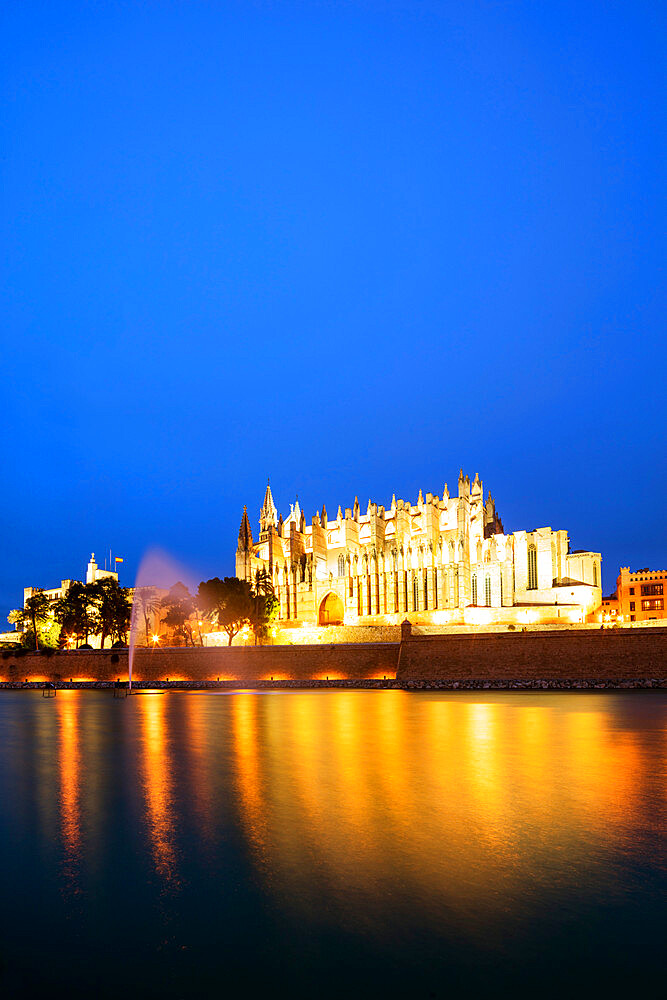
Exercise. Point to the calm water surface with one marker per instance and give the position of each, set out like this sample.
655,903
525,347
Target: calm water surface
332,843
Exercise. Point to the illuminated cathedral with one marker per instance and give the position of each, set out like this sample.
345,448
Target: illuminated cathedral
439,560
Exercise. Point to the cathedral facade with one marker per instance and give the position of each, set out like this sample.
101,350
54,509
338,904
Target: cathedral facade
439,561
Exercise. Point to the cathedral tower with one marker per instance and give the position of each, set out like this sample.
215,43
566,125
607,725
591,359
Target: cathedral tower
244,548
268,515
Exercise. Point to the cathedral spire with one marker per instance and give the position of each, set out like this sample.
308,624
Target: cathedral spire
245,532
268,515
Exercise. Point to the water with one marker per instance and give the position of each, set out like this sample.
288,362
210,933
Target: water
332,843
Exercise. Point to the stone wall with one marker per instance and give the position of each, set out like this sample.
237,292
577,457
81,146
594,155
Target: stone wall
567,654
243,664
564,654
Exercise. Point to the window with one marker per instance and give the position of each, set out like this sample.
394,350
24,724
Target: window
425,590
652,590
435,588
655,604
632,618
595,574
632,605
632,590
341,566
487,591
415,592
532,567
474,588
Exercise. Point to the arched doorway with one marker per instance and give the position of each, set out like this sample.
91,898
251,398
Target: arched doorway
331,610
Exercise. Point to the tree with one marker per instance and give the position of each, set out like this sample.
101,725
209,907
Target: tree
35,611
75,611
147,604
229,602
265,609
263,582
181,609
265,604
112,608
122,614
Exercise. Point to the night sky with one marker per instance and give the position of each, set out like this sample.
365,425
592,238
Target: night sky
350,246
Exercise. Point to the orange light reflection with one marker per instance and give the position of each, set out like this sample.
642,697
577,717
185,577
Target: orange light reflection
157,782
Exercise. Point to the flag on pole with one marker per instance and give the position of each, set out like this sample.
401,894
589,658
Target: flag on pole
118,559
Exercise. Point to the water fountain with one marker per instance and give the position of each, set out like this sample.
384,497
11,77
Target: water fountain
156,574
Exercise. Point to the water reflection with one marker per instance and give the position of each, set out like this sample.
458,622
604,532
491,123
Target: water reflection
397,841
155,768
457,801
67,709
353,807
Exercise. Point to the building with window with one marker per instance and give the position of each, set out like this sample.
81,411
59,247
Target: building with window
440,560
609,610
641,595
93,573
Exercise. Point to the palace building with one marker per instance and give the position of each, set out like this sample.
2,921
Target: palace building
442,560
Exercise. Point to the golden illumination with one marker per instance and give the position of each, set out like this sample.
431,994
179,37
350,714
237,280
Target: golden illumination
155,766
360,794
68,710
458,788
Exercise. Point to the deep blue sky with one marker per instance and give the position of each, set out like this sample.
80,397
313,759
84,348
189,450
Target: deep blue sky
352,246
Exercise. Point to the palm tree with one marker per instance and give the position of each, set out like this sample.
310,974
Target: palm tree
147,604
36,609
180,611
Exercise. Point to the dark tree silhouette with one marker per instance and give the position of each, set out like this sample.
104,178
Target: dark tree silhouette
228,602
112,609
75,611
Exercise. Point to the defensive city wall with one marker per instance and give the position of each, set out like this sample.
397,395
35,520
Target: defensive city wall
564,656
